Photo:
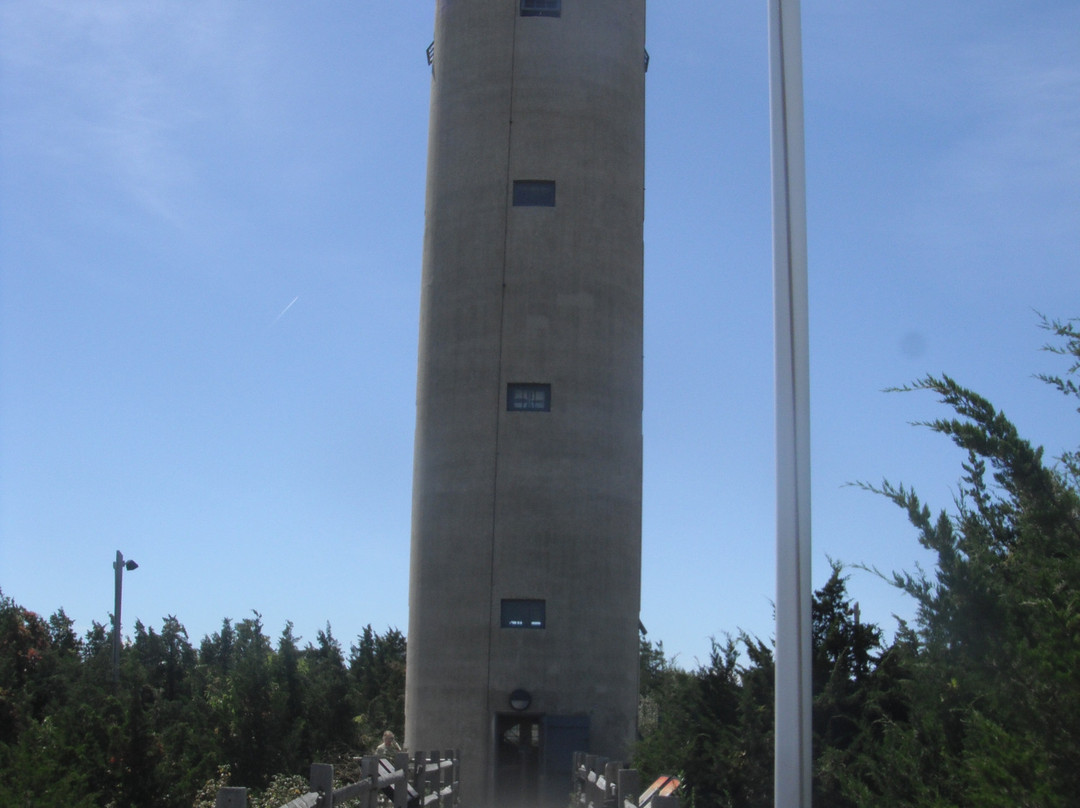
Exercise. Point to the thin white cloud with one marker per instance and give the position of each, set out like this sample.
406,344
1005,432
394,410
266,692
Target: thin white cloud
108,90
967,125
1030,135
1013,164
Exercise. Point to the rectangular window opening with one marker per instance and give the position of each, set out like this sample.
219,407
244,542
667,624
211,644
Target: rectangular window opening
528,397
541,8
534,193
518,613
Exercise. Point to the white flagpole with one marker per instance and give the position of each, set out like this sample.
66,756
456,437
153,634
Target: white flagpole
793,593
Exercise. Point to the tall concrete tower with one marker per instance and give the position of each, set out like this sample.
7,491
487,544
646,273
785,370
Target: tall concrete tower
525,572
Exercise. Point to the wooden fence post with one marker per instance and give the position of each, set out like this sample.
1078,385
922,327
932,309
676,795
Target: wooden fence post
596,764
231,797
611,777
401,790
322,780
419,776
433,760
628,787
456,775
369,770
445,778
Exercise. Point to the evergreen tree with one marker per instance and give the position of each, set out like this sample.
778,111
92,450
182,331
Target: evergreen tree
377,686
287,706
326,706
993,664
843,661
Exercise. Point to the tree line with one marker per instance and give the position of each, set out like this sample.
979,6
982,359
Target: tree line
976,702
182,720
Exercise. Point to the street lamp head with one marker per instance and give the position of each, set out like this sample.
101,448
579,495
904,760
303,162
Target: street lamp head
130,565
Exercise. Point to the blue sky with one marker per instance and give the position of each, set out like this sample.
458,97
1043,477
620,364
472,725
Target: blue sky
210,229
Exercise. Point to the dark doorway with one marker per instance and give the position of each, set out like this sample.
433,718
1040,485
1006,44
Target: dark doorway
533,758
518,750
563,735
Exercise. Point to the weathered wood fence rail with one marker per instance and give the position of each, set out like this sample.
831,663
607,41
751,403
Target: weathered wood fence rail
602,783
417,781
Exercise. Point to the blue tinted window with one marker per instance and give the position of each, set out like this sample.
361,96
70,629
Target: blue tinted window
535,193
523,614
528,397
541,8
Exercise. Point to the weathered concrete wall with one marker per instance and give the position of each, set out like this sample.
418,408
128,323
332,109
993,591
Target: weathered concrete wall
543,505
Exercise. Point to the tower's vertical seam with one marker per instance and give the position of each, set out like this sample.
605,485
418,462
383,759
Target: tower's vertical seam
507,193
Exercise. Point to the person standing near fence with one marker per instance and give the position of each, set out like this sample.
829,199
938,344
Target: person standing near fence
389,746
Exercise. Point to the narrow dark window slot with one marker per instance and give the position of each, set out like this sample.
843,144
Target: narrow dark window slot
534,193
523,614
528,397
541,8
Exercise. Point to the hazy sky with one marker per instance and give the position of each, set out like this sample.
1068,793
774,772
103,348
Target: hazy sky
210,231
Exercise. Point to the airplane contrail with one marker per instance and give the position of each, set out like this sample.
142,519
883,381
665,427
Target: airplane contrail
287,308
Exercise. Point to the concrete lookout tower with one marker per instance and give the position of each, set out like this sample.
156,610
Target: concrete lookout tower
526,557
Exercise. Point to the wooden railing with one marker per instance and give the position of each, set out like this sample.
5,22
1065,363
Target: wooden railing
416,781
602,783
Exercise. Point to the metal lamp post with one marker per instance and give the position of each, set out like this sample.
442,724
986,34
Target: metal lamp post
793,547
118,566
